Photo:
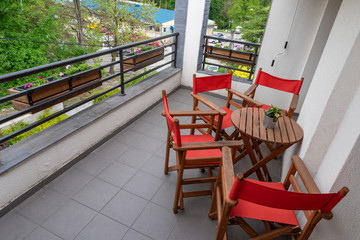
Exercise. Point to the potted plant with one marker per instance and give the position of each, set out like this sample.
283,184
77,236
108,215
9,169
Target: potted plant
42,94
144,57
271,116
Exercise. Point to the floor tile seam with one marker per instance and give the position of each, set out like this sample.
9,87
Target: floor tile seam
61,205
157,149
137,194
85,226
26,218
99,211
83,171
133,166
40,226
151,200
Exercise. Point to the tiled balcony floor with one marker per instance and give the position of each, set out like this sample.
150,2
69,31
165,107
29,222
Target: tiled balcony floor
119,191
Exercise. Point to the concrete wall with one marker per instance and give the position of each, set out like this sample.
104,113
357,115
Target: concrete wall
41,165
330,120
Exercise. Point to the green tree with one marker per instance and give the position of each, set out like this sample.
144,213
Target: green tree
124,21
40,23
219,12
253,30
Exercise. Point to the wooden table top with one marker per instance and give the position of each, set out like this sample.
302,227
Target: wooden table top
249,121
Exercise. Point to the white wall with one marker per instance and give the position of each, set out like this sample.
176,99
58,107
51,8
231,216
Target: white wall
292,62
330,120
31,171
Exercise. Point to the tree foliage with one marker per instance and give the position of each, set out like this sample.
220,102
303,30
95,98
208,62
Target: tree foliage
252,16
253,30
219,12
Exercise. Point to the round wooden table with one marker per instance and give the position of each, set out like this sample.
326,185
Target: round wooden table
248,122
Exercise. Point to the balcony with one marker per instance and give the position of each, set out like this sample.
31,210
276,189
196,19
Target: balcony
61,184
119,191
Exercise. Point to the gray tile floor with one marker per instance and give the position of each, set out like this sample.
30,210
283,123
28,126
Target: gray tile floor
119,191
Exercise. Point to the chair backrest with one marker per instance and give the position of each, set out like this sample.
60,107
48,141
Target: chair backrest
252,191
173,124
209,83
286,85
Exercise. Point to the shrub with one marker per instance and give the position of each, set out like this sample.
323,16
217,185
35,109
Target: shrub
102,97
21,124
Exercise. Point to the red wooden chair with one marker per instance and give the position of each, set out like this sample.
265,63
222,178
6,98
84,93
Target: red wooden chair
270,202
291,86
209,83
193,151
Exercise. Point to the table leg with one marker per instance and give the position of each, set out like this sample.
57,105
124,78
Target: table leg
259,157
252,156
266,159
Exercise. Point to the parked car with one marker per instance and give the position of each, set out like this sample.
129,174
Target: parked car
213,68
220,35
156,43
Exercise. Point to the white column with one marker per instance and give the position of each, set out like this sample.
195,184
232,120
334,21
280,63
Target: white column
192,40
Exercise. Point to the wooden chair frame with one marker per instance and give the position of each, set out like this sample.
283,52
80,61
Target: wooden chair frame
182,162
250,92
222,204
230,102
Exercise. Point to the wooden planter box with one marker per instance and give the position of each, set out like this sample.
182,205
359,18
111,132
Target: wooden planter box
40,95
215,53
144,59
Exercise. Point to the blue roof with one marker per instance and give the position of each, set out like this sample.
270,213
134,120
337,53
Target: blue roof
164,15
161,16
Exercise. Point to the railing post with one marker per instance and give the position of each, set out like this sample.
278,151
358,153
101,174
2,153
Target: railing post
122,71
176,49
204,52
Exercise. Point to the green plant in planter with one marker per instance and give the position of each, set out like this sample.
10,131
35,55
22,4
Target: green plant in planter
274,113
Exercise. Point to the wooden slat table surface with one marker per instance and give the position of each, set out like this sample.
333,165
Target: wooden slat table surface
249,121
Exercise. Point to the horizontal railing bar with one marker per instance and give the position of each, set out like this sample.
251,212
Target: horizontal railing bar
45,85
173,52
151,70
27,72
53,100
142,53
110,64
232,50
237,69
228,59
143,64
231,40
56,114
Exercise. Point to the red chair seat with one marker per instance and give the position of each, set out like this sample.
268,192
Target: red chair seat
247,209
200,153
226,119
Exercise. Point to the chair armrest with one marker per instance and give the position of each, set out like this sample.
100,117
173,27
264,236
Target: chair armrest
246,98
191,113
207,145
304,174
227,175
293,105
209,103
251,90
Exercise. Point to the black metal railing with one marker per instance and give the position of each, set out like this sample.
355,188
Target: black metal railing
238,55
71,92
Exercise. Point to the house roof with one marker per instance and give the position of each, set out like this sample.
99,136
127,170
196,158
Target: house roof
164,15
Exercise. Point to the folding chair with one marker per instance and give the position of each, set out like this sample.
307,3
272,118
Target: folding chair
193,151
281,84
209,83
270,202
